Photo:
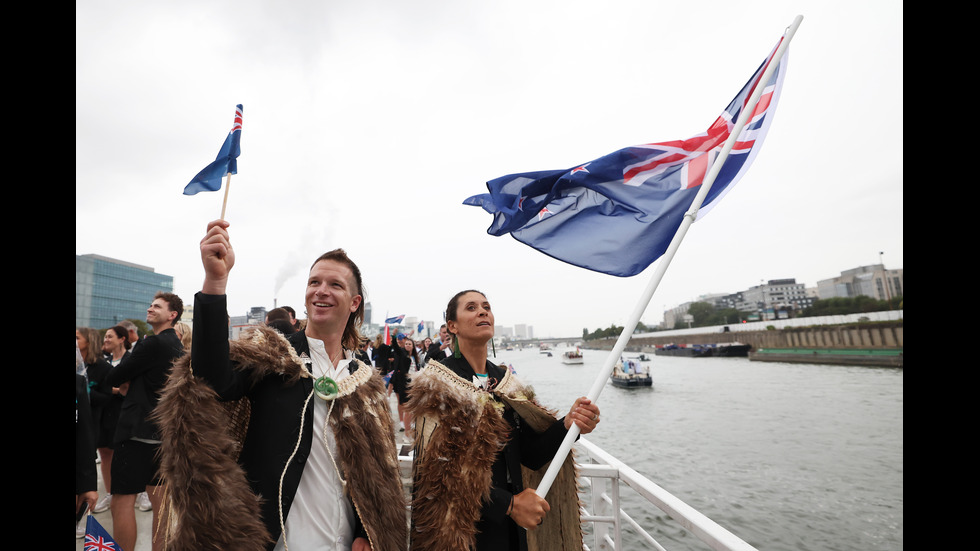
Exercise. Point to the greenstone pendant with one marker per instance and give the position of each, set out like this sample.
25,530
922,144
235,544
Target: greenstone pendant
325,388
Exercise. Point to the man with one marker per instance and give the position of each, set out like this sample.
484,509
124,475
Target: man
318,467
292,317
135,464
441,350
133,333
279,319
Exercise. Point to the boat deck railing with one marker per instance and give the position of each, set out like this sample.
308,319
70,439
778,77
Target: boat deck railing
607,475
605,513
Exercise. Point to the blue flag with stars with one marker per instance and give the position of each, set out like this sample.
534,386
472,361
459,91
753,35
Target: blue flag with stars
209,178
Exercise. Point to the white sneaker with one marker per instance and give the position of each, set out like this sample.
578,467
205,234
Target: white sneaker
143,502
103,504
80,527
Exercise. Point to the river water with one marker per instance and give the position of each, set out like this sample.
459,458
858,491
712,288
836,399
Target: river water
794,457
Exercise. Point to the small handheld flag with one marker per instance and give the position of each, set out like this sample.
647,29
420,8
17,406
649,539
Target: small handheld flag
396,319
96,538
209,178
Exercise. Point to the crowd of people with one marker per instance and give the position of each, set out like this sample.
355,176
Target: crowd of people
124,377
292,425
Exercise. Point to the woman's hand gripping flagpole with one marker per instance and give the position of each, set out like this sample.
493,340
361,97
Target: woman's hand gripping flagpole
689,218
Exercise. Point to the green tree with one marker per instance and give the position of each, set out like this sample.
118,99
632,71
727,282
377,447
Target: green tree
850,305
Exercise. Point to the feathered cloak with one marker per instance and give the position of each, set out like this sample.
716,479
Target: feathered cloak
211,502
460,430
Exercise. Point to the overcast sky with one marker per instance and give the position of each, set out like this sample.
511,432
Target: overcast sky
367,123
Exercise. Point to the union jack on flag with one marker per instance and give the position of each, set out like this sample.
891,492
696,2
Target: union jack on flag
209,178
396,319
618,213
96,538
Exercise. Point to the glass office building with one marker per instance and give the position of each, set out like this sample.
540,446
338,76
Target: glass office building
108,291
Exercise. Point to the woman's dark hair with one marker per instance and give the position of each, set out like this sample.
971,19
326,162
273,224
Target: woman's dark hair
122,333
352,335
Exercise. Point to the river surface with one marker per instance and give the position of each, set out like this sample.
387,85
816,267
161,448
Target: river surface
788,457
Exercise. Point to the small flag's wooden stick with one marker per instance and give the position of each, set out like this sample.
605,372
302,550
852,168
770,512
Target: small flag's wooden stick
225,202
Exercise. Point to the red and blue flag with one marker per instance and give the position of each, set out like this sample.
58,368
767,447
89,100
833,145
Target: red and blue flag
209,178
96,538
617,214
396,319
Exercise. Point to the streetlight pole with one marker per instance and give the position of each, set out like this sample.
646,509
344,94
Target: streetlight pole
884,276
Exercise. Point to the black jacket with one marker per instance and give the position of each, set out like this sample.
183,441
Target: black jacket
86,476
435,354
275,415
146,370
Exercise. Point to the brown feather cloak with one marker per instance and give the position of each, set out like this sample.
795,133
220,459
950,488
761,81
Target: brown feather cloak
460,430
211,502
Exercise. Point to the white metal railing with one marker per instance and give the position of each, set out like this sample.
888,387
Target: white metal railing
604,473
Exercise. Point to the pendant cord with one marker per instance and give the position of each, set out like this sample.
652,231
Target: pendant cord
340,476
282,521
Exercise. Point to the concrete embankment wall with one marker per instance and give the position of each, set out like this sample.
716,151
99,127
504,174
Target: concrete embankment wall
856,336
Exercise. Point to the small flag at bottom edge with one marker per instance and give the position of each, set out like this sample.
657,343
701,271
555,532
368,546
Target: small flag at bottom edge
96,538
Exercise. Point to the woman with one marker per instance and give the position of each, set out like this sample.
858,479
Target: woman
483,445
185,334
379,342
115,345
424,351
406,365
90,344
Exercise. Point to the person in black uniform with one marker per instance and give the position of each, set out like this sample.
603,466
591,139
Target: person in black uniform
135,461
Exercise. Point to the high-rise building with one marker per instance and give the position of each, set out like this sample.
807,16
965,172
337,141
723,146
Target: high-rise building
871,281
108,291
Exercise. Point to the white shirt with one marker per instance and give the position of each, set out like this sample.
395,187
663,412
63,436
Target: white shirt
321,517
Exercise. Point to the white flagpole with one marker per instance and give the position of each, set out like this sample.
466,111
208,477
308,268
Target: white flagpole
689,217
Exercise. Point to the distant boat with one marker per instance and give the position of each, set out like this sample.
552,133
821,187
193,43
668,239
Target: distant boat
722,350
630,373
572,357
732,349
686,350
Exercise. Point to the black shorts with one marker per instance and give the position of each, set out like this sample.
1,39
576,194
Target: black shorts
135,465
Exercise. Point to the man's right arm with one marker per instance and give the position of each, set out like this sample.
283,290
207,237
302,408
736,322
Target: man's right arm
209,355
139,361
